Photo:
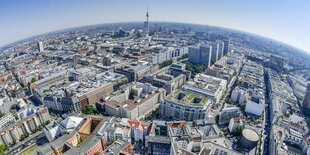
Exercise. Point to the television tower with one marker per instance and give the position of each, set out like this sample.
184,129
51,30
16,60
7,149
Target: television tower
147,20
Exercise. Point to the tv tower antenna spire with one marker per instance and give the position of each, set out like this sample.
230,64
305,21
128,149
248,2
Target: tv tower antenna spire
147,18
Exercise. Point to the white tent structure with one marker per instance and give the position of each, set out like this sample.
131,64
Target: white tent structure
71,122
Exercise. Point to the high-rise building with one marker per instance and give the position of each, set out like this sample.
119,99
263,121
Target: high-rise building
215,50
276,63
194,54
205,54
306,101
40,46
106,61
200,54
221,48
226,46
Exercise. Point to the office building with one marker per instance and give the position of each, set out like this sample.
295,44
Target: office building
220,49
119,147
200,54
306,101
134,101
183,105
25,126
215,51
227,113
239,95
158,139
6,120
167,78
226,46
276,63
254,108
40,46
234,123
207,86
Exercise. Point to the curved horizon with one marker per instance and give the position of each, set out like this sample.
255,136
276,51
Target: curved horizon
282,21
122,22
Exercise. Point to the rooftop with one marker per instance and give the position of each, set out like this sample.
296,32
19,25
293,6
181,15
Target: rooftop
187,98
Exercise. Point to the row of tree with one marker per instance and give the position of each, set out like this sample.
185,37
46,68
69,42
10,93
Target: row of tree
195,68
165,63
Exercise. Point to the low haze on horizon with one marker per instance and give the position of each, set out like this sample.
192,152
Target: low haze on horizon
273,19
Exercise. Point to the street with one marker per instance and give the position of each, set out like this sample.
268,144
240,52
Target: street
23,145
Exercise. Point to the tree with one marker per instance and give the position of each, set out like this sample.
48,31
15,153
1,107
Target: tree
52,86
47,122
229,101
14,106
238,131
22,137
213,60
287,115
33,79
34,130
3,147
1,114
195,68
40,127
16,117
165,63
97,153
235,73
88,109
2,152
217,119
184,56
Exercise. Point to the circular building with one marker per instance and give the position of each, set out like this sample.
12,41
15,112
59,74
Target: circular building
249,138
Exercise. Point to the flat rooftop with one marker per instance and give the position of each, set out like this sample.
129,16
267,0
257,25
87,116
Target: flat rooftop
187,98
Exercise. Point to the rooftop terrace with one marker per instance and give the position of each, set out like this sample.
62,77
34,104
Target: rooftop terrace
187,98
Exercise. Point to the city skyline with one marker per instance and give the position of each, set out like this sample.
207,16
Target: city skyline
276,20
154,77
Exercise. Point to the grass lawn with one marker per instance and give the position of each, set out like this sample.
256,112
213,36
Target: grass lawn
30,150
197,104
204,100
192,97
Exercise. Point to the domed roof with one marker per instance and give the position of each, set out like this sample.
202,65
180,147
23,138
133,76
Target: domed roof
250,135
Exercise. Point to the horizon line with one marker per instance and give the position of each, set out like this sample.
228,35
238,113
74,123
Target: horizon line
81,26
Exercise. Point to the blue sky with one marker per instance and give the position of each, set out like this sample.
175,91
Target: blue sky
284,20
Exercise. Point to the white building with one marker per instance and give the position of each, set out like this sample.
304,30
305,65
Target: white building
254,108
183,105
168,54
51,133
71,122
227,113
40,47
239,95
206,85
144,97
137,131
215,50
234,123
6,120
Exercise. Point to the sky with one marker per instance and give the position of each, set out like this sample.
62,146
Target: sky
287,21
